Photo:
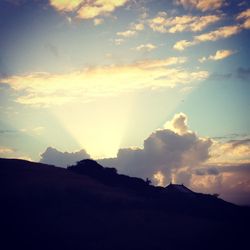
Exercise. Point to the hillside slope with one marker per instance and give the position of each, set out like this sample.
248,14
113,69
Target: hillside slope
46,207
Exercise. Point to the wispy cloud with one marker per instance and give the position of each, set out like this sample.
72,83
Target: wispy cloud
219,55
162,23
6,150
127,33
93,82
245,16
222,32
146,47
134,28
203,5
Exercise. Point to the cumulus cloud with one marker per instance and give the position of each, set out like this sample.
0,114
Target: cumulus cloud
94,82
62,159
203,5
167,153
162,23
88,9
177,154
219,55
178,124
146,47
222,32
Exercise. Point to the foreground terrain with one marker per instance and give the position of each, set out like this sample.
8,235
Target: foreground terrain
90,207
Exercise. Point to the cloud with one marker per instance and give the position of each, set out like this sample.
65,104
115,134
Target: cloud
245,16
62,159
88,9
177,154
98,21
146,47
203,5
222,32
231,182
219,55
6,150
132,31
233,151
94,82
127,33
118,41
178,124
137,26
162,23
166,153
181,45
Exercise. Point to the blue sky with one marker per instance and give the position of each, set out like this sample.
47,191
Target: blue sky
103,75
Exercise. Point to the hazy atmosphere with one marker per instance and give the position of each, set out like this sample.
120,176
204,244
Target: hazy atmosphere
157,89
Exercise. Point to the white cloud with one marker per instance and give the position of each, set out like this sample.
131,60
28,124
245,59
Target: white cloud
94,82
222,32
146,47
182,44
88,9
219,55
127,33
137,26
245,16
178,124
162,23
98,21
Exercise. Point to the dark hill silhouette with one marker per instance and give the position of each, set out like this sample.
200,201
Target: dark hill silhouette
90,207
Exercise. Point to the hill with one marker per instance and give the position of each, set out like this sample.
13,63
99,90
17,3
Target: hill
89,207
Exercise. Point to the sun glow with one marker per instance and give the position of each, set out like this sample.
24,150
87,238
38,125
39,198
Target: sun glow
98,128
159,178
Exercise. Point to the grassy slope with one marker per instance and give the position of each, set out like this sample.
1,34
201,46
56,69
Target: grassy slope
44,207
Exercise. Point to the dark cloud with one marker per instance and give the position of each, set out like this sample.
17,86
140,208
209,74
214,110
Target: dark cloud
232,182
243,73
207,171
62,159
166,151
237,143
220,76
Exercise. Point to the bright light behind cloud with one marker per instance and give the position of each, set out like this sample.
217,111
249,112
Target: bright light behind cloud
91,83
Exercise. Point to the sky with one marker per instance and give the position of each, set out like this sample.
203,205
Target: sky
159,89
